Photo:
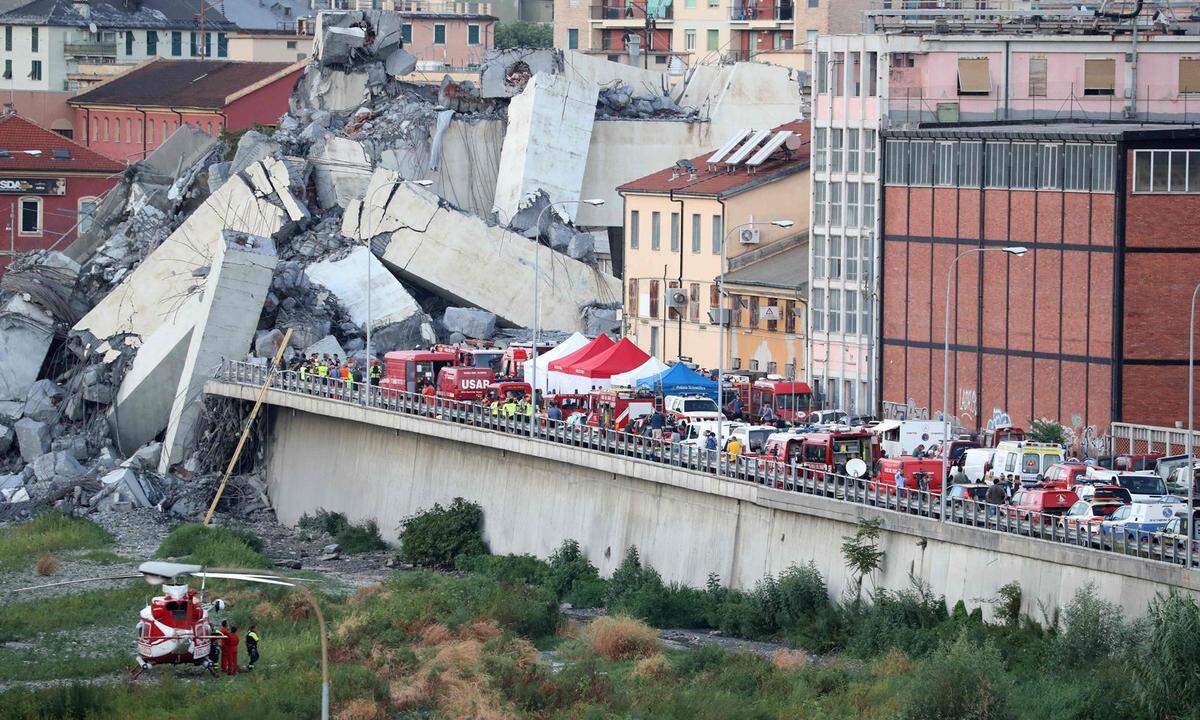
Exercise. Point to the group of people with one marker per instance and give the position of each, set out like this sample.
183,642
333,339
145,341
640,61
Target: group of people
512,405
225,649
329,369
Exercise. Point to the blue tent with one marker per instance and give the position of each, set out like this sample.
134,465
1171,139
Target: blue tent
680,380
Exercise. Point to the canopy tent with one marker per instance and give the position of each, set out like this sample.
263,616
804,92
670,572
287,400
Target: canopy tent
563,349
595,372
650,368
558,380
681,380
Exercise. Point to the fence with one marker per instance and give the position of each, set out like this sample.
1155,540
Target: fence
1130,439
788,477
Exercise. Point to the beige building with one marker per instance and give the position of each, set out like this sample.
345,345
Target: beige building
262,46
675,223
704,31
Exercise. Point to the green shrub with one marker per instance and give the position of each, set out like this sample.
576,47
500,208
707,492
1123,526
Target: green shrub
1092,631
436,537
913,621
213,546
961,681
64,702
353,539
573,579
525,569
1008,604
48,532
1164,669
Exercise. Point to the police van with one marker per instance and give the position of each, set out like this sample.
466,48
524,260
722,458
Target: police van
1024,461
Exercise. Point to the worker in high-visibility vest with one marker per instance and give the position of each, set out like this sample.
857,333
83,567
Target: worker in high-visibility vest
376,372
510,408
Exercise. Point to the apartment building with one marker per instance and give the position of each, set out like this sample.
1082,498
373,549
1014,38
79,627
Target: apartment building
56,45
447,35
907,77
703,31
676,221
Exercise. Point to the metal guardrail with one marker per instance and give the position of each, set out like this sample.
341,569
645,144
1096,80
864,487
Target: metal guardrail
1131,439
768,473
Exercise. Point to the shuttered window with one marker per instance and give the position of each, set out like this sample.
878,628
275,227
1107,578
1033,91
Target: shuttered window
1099,76
1037,77
1189,75
973,76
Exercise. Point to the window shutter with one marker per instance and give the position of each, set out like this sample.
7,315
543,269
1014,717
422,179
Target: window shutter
973,76
1189,75
1099,74
1037,77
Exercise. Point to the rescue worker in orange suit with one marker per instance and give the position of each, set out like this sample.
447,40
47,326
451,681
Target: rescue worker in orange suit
229,650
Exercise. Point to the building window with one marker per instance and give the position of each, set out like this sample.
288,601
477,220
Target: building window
851,208
1023,163
1048,167
165,131
868,143
818,202
754,312
1037,77
694,302
675,232
31,216
818,256
833,262
920,171
8,38
33,39
818,310
87,211
1189,75
871,71
814,3
718,234
689,39
1099,76
835,203
128,130
713,38
150,131
573,39
735,363
128,42
633,300
696,233
973,76
868,206
291,44
406,33
176,43
35,70
222,45
943,164
772,316
821,71
655,230
835,150
852,150
654,295
634,228
970,163
851,312
8,69
472,34
207,45
820,148
439,34
835,311
193,47
1166,171
151,42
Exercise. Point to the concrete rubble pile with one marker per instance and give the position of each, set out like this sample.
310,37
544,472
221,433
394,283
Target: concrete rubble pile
416,213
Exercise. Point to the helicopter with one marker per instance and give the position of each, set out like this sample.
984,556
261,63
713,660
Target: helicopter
175,628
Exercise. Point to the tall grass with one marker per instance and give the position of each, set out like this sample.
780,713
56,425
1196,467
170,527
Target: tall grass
213,546
49,532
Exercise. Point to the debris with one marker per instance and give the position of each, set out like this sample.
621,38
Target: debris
7,437
327,345
470,322
389,302
41,402
33,438
338,44
341,171
25,335
400,63
57,465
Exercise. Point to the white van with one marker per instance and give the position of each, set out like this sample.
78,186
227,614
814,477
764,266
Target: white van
1024,460
902,437
977,464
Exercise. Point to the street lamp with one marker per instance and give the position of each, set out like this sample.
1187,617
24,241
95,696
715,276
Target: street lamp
422,183
721,321
1191,473
1016,250
537,320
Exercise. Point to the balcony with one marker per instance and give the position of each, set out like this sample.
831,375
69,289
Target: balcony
762,12
94,49
444,8
630,14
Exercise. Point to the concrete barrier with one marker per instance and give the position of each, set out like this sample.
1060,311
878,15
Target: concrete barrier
377,465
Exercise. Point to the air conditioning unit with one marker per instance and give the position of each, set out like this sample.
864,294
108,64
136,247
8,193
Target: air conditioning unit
677,298
750,236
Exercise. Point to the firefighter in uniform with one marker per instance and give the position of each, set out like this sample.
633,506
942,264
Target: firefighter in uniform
376,373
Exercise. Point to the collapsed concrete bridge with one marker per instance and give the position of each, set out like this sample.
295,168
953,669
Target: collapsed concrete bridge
381,458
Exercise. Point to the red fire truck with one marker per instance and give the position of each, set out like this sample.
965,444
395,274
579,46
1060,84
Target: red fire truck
790,400
504,388
478,354
512,362
409,370
469,384
616,408
828,451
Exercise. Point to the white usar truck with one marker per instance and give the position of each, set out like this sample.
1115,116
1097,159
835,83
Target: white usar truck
902,437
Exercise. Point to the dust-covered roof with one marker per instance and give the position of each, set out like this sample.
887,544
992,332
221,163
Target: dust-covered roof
118,14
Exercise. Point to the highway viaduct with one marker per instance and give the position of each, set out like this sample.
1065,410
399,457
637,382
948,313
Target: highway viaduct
373,463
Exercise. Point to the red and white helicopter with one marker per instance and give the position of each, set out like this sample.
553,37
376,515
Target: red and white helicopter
176,628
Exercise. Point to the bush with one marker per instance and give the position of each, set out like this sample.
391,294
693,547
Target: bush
353,539
509,569
913,621
1092,631
1164,670
46,533
1008,604
213,546
518,34
438,536
573,579
961,681
622,638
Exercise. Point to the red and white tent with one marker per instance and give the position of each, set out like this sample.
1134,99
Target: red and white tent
595,371
557,377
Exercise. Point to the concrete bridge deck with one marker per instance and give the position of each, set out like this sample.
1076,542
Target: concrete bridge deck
383,457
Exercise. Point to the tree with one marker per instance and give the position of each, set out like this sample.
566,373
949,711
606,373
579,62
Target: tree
518,34
862,553
1048,431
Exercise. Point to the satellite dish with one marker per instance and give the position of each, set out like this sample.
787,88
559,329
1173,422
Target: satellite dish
856,468
92,28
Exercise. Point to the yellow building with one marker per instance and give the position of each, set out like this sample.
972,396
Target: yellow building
675,223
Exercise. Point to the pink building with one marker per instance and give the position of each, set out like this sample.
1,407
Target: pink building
127,117
456,35
1064,68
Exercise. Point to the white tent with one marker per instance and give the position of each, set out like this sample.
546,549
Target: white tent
563,349
653,366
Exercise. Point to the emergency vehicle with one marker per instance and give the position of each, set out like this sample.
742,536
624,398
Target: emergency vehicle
466,384
828,451
791,401
903,437
408,370
919,474
504,388
992,437
474,354
512,361
616,408
691,408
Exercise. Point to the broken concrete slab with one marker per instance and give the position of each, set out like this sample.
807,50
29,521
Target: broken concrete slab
7,437
475,264
546,146
41,402
327,345
337,45
33,438
267,342
25,335
10,412
181,150
347,279
271,178
252,147
471,322
332,89
58,464
400,63
234,293
466,168
123,485
341,170
505,72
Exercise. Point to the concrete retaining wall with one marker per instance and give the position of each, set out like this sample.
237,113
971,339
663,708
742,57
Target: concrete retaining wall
372,464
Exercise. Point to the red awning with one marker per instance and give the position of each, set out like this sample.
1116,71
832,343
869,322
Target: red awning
595,347
622,357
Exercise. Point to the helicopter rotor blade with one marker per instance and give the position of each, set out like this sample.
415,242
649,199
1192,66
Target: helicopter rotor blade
244,577
76,582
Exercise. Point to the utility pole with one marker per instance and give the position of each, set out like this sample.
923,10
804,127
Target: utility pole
200,40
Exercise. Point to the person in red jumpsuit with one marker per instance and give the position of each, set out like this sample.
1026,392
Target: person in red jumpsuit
229,650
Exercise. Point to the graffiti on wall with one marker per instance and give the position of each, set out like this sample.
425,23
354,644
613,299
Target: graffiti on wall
905,411
1086,442
999,419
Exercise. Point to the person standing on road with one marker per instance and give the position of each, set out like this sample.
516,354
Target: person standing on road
554,413
376,372
768,415
959,476
996,495
252,641
734,448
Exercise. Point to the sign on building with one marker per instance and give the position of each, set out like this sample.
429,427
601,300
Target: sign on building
769,313
33,186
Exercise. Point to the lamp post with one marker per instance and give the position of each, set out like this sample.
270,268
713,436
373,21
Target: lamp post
537,320
721,322
1011,250
1191,458
422,183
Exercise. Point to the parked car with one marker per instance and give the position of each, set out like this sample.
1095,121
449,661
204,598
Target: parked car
977,463
1087,491
919,474
827,417
1088,514
1174,533
960,494
1064,474
1142,486
1025,461
1033,503
693,434
1137,521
